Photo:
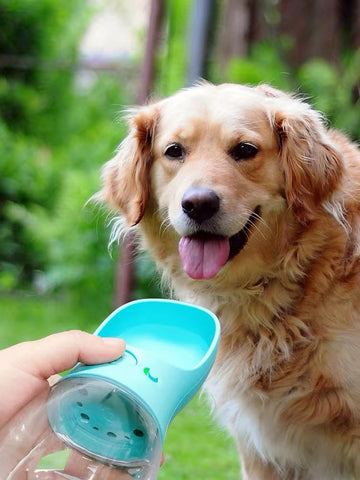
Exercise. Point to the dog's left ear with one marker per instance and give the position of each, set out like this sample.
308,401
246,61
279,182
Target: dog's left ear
312,166
126,176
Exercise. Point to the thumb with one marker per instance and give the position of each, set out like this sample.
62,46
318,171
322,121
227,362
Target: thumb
61,351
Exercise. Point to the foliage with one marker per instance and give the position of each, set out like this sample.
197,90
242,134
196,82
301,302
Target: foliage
32,101
41,37
27,182
172,65
263,65
330,88
53,139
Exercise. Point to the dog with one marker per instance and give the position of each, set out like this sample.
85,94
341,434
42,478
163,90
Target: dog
250,206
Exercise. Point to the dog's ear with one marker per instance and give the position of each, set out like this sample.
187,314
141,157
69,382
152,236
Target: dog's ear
126,176
312,166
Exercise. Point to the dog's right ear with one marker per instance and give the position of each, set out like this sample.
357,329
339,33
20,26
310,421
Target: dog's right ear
125,177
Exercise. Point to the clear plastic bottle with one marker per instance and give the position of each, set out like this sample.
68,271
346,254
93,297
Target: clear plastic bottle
84,430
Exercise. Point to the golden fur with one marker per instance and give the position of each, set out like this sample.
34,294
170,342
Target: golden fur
286,382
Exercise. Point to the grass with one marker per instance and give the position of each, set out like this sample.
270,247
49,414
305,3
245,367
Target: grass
27,317
194,446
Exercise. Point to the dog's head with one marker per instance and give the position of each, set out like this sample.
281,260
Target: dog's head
214,164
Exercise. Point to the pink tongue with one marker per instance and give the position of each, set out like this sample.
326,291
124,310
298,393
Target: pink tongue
203,258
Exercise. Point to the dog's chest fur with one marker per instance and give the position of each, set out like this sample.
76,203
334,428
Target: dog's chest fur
270,385
283,383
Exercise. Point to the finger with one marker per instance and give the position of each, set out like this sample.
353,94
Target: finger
79,466
61,351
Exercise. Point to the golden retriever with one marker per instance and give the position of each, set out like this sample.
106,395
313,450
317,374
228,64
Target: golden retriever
250,206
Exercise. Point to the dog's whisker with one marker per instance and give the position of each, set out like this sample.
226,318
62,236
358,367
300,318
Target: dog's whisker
255,226
165,226
261,220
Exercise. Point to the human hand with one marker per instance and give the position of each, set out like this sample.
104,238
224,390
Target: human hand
24,372
26,367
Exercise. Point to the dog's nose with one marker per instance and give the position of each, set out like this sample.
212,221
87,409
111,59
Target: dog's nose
200,204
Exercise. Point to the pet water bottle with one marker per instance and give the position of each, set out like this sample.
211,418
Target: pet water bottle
109,421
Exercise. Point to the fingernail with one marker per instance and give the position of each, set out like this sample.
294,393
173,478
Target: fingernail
113,342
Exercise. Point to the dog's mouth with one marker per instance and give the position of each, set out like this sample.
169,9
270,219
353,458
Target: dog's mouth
204,254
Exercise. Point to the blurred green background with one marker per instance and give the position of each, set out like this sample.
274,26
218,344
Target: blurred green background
59,122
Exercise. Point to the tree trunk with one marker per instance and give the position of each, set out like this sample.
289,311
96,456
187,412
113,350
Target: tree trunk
125,269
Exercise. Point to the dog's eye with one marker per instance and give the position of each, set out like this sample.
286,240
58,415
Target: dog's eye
175,152
243,151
